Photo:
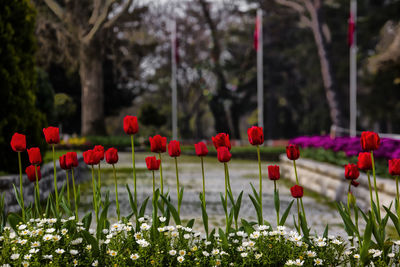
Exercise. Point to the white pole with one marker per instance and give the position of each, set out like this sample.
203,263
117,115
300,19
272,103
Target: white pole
260,86
173,83
353,72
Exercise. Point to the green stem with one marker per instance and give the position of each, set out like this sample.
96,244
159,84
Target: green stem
21,187
116,192
375,187
295,172
302,208
154,187
370,192
348,198
227,175
177,185
397,196
204,186
226,200
75,195
298,215
277,211
99,178
37,198
161,176
68,198
134,170
260,177
94,195
55,180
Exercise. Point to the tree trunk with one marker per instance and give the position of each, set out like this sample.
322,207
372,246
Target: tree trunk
91,75
336,111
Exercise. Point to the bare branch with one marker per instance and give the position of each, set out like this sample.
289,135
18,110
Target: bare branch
117,16
99,22
56,8
292,4
95,12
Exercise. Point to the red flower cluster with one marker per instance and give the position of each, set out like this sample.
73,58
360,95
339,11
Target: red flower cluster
69,161
221,140
91,157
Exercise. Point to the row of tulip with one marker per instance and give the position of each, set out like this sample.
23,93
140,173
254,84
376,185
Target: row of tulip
376,224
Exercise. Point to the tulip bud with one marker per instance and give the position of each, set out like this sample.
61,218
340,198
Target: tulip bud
51,135
296,191
201,149
112,155
223,154
292,152
18,142
100,150
63,163
273,172
364,161
220,140
35,157
30,173
369,141
174,149
158,144
71,160
90,157
255,135
152,163
131,125
351,172
394,167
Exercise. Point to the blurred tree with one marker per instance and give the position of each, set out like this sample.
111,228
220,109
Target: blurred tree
18,81
311,16
83,25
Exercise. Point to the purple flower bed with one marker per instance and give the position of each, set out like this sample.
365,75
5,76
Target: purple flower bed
389,148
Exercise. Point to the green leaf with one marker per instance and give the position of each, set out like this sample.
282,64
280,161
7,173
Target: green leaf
172,209
190,223
366,241
87,220
326,231
143,207
17,196
256,195
348,223
276,201
180,197
237,205
131,202
394,219
204,214
223,238
286,213
14,219
223,203
376,212
103,218
92,241
304,226
247,227
258,209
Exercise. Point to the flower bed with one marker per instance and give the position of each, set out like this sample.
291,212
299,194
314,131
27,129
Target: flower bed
39,239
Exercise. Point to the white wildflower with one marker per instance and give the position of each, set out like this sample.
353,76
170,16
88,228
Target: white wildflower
172,252
180,259
134,257
318,261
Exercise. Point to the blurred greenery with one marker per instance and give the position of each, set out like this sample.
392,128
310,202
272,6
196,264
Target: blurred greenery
340,159
19,109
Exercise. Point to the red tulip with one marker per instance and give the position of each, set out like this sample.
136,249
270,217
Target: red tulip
158,144
292,152
273,172
351,171
35,157
223,154
100,150
296,191
255,135
52,135
201,149
221,140
90,157
112,155
364,161
355,183
63,162
152,163
394,167
174,149
30,172
18,142
369,141
131,125
71,160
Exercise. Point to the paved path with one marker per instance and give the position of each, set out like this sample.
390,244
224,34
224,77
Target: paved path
242,172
